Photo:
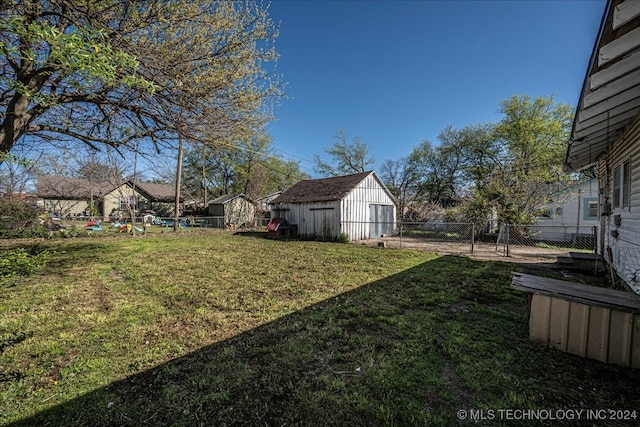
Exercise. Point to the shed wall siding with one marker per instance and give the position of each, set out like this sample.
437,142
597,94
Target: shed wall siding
240,212
319,220
237,212
626,246
355,208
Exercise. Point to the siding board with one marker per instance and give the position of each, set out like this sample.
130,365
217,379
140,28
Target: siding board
619,47
625,12
625,247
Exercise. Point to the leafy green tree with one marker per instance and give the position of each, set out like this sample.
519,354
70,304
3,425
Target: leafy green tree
438,169
245,166
430,176
533,135
346,158
507,167
401,178
113,72
283,174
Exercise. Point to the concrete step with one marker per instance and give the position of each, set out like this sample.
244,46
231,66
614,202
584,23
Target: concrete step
584,262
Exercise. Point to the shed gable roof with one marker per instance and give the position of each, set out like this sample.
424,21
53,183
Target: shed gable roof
226,198
321,190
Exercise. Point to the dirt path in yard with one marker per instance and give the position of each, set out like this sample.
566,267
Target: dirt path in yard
481,251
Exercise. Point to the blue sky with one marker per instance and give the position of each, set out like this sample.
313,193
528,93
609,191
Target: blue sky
395,73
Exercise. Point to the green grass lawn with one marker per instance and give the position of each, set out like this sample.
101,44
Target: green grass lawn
215,329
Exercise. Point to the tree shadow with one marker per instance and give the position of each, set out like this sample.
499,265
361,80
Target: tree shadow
254,234
393,352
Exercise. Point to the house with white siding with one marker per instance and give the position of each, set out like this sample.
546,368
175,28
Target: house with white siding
570,215
358,205
606,133
592,321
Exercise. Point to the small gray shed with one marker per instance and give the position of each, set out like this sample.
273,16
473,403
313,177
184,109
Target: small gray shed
232,211
358,205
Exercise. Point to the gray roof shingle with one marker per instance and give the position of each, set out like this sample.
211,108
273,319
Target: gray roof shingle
57,187
321,190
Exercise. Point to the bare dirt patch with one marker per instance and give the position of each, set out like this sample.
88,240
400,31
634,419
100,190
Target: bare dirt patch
481,250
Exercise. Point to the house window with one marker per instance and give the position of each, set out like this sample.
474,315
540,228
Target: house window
125,203
544,213
590,209
621,175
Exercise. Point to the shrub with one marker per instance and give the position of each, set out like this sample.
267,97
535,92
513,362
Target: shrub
343,238
19,263
70,232
18,220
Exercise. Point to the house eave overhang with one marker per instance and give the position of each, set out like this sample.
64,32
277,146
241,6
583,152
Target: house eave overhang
610,96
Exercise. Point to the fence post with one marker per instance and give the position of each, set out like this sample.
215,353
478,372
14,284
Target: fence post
595,239
507,237
473,233
401,227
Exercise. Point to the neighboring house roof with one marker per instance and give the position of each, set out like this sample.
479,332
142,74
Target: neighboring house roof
610,97
157,192
322,190
56,187
268,197
227,198
264,201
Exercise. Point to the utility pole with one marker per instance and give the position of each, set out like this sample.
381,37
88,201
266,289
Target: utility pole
179,165
178,176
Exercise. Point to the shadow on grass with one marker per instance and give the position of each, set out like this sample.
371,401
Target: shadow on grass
254,234
410,349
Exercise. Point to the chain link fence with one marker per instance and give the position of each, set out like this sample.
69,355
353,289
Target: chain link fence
159,221
545,241
524,241
456,238
540,242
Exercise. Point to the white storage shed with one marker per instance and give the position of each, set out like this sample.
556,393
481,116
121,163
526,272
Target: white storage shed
358,205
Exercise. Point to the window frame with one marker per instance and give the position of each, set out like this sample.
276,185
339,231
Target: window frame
125,202
590,205
621,185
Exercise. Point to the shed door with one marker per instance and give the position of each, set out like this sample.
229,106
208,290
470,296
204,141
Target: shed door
381,220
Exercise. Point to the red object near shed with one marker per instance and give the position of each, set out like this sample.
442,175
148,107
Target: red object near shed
278,228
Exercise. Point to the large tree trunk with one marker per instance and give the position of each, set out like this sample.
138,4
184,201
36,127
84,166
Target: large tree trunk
18,116
15,122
